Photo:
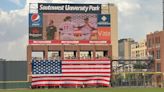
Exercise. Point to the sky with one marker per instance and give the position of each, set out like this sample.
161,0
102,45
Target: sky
136,18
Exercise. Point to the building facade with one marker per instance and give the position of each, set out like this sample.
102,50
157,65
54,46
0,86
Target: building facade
125,48
138,50
155,44
112,9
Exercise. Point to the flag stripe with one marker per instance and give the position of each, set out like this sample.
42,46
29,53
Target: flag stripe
70,82
86,62
70,78
86,66
72,85
67,76
73,74
84,81
86,70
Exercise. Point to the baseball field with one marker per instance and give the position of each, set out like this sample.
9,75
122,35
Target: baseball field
88,90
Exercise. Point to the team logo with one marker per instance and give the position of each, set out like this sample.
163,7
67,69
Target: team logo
35,18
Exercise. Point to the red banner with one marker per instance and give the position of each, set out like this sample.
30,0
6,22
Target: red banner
68,42
104,33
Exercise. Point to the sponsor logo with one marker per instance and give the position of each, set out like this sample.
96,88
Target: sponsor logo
35,31
104,20
35,18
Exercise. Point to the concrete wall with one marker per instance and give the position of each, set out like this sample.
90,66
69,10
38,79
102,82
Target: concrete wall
112,10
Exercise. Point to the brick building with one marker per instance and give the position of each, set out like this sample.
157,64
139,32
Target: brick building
155,44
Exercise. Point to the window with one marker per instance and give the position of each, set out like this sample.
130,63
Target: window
69,54
37,55
54,55
86,54
159,40
149,43
158,67
156,40
158,53
101,54
152,41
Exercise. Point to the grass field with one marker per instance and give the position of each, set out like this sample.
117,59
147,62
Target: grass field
90,90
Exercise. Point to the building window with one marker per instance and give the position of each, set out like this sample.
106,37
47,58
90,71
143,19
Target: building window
158,67
54,54
157,42
157,39
86,54
38,55
158,54
70,54
149,43
152,42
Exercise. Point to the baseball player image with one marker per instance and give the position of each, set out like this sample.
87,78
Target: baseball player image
86,29
67,28
51,30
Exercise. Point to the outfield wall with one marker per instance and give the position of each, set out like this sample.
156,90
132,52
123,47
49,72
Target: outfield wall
13,74
13,71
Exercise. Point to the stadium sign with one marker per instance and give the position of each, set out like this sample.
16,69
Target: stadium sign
69,24
69,8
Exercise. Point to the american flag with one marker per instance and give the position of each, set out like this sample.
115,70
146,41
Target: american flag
71,73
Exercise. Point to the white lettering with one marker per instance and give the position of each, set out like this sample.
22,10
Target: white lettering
104,33
76,8
43,42
49,7
93,8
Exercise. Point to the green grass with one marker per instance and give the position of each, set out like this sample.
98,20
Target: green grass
89,90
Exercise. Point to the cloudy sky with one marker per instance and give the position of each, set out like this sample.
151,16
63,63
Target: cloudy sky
136,19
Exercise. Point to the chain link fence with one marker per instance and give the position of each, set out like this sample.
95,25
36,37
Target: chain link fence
135,74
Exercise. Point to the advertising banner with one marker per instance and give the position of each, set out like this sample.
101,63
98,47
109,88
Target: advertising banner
104,33
69,24
35,26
